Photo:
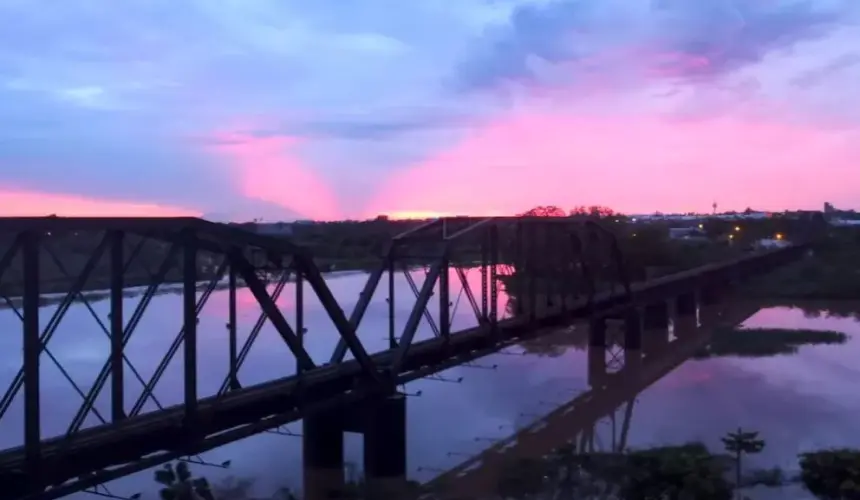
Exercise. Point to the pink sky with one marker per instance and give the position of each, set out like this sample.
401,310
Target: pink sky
16,203
638,106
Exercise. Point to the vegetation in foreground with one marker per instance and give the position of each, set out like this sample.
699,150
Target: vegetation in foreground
687,471
760,342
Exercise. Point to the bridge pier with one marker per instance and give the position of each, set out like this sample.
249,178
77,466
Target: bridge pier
597,332
385,447
382,422
633,330
633,321
707,295
685,304
322,455
656,316
597,352
655,320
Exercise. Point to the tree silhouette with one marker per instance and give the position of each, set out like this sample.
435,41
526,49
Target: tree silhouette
178,484
740,443
831,474
545,211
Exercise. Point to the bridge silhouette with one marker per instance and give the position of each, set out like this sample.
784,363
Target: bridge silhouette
554,271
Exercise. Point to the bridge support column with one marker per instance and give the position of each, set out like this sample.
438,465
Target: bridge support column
655,321
685,305
597,352
656,316
707,296
684,326
597,332
322,454
385,447
632,337
633,330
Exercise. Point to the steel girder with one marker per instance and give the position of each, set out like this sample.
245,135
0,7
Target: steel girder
519,257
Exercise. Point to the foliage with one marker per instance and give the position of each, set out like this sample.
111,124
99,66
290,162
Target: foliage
687,471
832,474
178,483
740,443
596,211
759,342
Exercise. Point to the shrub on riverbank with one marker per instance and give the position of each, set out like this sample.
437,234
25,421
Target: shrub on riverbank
832,474
759,342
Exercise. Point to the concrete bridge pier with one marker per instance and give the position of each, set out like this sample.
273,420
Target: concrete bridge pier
685,320
385,447
685,305
633,322
597,352
655,321
322,456
383,423
707,295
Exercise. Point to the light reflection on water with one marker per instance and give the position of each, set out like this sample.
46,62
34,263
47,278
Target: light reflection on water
797,402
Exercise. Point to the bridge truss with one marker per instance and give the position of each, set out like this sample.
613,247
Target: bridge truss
119,425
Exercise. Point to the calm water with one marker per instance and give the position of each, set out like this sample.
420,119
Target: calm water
798,402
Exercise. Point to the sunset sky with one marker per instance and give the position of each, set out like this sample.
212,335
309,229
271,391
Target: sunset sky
325,109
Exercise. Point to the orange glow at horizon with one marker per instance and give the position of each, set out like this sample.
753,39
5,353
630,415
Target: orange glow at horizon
17,203
407,215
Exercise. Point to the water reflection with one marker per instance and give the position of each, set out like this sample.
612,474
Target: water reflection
798,402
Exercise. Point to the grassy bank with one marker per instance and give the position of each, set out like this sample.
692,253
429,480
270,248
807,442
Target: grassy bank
831,271
761,342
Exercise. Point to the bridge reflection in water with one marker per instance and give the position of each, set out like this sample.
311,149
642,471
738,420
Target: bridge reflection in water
619,369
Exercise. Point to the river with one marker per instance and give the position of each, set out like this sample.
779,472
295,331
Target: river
798,402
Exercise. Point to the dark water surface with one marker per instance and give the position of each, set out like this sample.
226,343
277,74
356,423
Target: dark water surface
798,402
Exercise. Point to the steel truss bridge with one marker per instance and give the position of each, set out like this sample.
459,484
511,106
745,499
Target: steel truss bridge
553,270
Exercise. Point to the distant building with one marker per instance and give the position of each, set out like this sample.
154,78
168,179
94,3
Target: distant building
828,208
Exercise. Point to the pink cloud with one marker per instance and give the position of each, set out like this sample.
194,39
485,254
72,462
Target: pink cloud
635,162
267,169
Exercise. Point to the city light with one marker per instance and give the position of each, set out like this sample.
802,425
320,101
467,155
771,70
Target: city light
737,228
779,236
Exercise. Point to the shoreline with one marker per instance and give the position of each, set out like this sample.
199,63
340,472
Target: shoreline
98,293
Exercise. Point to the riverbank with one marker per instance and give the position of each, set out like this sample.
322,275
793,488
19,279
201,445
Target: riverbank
831,271
165,288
